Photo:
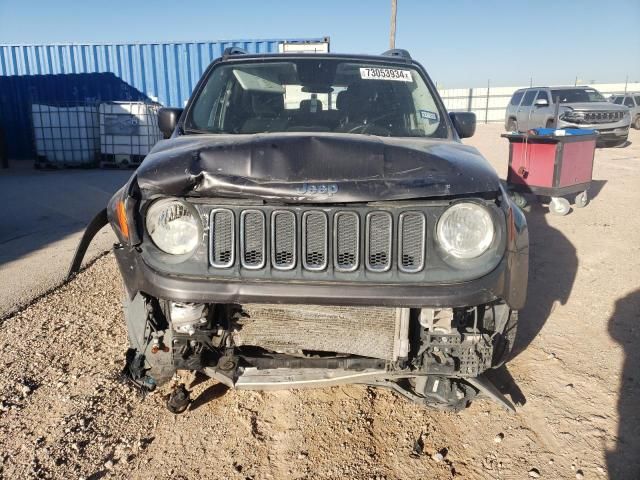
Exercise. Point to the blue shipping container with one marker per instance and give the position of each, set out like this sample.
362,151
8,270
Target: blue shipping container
74,73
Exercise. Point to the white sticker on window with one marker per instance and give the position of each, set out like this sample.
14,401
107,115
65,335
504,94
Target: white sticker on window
367,73
428,115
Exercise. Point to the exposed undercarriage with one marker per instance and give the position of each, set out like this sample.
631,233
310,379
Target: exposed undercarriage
434,357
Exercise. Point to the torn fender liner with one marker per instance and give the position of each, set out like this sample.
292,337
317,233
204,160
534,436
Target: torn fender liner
338,168
99,221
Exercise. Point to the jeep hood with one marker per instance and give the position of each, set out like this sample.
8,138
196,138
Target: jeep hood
338,167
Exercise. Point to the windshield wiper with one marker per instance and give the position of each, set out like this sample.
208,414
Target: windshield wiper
194,131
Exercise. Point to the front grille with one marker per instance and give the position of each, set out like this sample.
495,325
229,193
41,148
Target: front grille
252,239
379,238
223,233
318,239
283,240
346,241
411,228
603,117
314,240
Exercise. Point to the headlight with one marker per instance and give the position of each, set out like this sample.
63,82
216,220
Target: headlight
572,116
173,226
465,230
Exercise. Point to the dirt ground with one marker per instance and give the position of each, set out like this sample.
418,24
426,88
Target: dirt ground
576,379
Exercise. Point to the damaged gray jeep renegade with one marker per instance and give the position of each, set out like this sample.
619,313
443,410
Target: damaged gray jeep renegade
314,220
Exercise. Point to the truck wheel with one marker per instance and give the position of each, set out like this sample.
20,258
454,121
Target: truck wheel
581,200
550,124
559,206
636,123
512,125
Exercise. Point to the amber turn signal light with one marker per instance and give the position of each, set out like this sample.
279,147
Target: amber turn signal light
122,219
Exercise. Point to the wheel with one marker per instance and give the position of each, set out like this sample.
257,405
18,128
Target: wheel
512,125
636,123
559,206
519,199
581,200
550,124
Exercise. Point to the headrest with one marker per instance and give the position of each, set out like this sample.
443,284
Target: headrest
342,100
308,105
267,103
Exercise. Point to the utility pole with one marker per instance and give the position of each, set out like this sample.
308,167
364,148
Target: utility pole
392,37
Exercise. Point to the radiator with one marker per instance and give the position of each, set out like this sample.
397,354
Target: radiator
365,331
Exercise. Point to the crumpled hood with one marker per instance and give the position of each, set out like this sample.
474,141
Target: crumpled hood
313,168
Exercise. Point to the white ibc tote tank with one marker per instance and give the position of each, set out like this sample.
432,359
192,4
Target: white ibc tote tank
128,130
65,136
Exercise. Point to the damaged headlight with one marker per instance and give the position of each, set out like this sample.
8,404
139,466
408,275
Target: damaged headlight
572,116
465,230
173,226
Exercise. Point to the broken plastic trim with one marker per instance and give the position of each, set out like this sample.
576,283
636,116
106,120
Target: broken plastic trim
99,221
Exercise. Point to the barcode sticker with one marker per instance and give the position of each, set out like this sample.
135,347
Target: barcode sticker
367,73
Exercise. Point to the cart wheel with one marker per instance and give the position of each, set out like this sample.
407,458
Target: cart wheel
519,199
559,206
581,200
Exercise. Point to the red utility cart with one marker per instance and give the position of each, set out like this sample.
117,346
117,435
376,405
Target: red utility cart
544,163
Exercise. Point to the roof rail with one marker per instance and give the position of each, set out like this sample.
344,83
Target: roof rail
397,52
229,51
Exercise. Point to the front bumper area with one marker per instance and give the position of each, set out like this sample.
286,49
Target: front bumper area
606,131
508,281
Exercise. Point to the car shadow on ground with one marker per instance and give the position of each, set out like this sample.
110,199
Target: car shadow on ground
623,462
553,264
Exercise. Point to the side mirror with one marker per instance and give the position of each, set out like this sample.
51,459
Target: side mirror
168,120
464,123
541,102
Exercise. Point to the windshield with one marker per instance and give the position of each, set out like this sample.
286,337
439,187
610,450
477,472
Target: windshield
577,95
316,95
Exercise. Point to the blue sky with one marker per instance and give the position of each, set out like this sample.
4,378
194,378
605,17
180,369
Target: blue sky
460,42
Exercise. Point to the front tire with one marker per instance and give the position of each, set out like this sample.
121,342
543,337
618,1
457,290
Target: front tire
636,123
512,125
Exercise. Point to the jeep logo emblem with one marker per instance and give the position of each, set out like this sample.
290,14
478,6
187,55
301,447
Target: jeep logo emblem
328,189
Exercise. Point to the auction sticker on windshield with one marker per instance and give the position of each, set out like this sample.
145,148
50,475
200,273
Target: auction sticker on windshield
367,73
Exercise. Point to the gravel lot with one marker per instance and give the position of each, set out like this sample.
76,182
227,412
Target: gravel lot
64,414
